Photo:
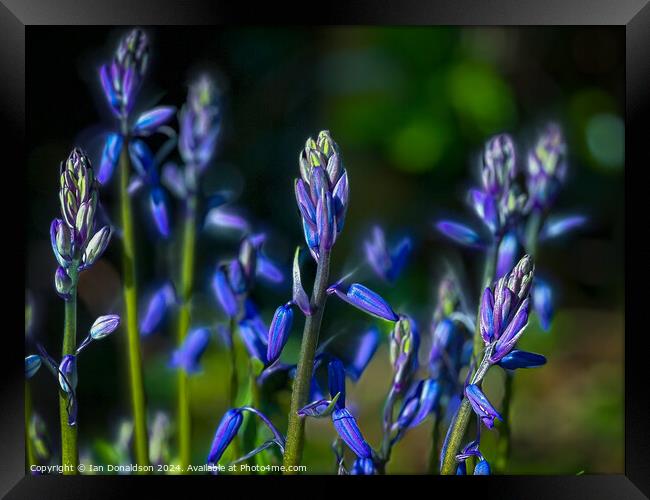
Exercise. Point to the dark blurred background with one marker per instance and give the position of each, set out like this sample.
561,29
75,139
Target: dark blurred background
410,109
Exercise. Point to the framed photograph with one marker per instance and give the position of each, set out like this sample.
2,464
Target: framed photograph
365,239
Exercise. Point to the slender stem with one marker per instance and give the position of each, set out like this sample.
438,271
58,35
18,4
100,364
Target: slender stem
302,381
454,438
505,435
131,314
69,450
187,283
30,455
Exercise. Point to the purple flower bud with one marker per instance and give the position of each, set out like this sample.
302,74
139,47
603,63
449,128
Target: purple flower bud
555,227
253,332
340,196
325,221
110,156
546,168
511,334
156,308
63,283
104,326
404,347
224,293
158,205
187,356
363,467
481,405
347,428
61,241
225,433
543,302
32,364
149,121
366,300
521,359
486,208
487,313
305,204
299,295
336,381
279,332
459,233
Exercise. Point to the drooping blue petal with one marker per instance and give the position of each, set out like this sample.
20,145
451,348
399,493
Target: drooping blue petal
268,270
521,359
347,428
142,158
459,233
158,205
487,316
305,203
340,195
325,221
399,256
279,332
428,399
299,295
149,121
32,364
511,334
366,300
336,381
221,218
559,226
364,352
110,156
109,91
507,254
68,373
156,308
543,302
481,405
482,468
224,293
254,345
188,355
225,433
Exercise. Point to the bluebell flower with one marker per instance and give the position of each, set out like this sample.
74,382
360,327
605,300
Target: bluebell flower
336,381
188,355
386,263
419,402
347,428
279,332
157,307
481,405
225,295
521,359
225,433
364,299
104,326
543,302
363,467
254,333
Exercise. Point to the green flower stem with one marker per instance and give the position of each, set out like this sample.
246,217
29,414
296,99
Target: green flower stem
187,283
302,381
131,313
30,455
456,432
69,450
505,439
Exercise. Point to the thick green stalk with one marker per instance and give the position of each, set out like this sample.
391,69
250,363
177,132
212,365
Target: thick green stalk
69,450
302,381
131,314
30,455
187,283
505,439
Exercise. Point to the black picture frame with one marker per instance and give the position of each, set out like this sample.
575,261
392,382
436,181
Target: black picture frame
16,16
